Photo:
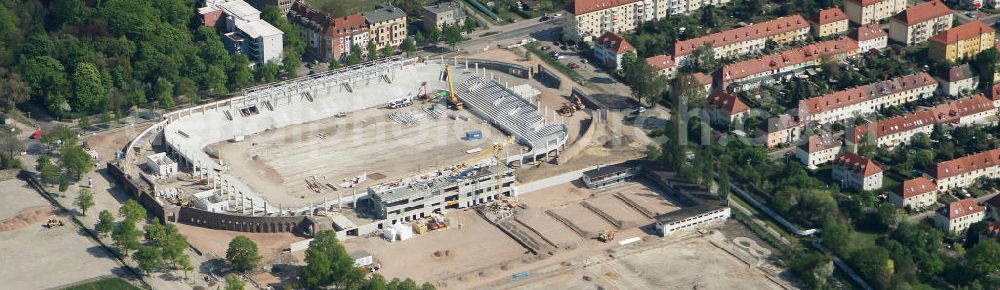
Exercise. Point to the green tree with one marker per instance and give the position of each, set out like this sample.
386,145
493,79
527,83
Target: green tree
234,282
452,35
49,172
89,94
84,201
148,258
76,161
240,75
64,12
837,237
419,38
408,45
126,236
984,257
268,72
215,79
686,90
372,51
985,64
156,233
703,59
47,78
470,25
433,35
653,152
174,245
105,222
294,47
335,64
647,84
242,254
388,51
60,136
327,263
165,93
132,210
10,147
13,89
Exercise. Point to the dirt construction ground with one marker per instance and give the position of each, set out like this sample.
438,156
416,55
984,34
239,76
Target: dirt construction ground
33,257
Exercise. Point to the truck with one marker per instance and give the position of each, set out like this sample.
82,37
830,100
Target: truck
399,103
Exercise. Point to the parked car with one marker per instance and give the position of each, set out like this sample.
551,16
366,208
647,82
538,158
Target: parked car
545,48
584,60
543,19
560,56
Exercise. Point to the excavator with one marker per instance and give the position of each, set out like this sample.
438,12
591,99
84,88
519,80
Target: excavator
453,101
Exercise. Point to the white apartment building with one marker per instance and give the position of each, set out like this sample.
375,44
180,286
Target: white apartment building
745,40
963,171
866,12
856,171
243,30
589,19
819,149
664,64
611,48
918,23
957,216
691,218
957,80
725,108
867,99
916,193
871,37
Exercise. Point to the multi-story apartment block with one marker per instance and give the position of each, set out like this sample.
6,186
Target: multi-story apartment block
829,22
849,103
327,37
689,6
386,26
611,48
963,41
664,64
589,19
725,108
745,40
870,37
918,23
916,193
856,171
957,80
818,149
243,30
900,129
419,196
957,216
866,12
963,171
769,69
444,13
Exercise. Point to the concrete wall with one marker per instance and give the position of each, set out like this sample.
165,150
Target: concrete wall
580,143
510,68
548,78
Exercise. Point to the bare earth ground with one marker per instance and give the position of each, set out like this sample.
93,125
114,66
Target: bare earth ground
216,242
33,257
276,163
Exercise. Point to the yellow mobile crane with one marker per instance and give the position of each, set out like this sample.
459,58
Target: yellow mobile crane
494,152
453,101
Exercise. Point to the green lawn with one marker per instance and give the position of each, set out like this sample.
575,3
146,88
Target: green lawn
111,283
861,239
889,183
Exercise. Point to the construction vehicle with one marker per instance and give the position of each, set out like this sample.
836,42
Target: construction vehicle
567,109
606,236
52,223
578,103
399,103
453,101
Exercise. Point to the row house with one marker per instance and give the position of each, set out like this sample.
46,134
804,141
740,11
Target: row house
956,217
663,64
856,171
900,130
688,6
387,26
726,108
818,149
780,130
745,40
769,69
828,22
963,171
916,193
866,12
327,37
852,102
957,80
870,37
611,48
918,23
963,41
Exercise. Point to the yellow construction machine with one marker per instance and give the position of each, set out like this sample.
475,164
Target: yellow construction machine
453,101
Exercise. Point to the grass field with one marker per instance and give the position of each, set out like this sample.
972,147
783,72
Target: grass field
113,283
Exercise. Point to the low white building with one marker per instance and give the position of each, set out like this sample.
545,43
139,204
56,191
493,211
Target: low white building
691,218
819,149
361,258
160,164
957,81
957,216
611,48
916,193
210,200
605,176
870,37
856,171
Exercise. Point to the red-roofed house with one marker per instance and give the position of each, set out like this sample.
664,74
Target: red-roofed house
610,48
994,95
327,37
918,23
725,108
963,171
916,194
870,37
829,22
745,40
866,12
705,80
963,41
818,149
783,129
856,171
957,216
769,69
849,103
900,129
664,64
957,80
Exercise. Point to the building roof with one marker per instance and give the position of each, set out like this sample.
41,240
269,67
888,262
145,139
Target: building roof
661,62
687,212
241,10
953,111
782,122
957,73
787,58
994,202
916,186
384,12
703,78
994,92
750,32
829,15
965,164
866,2
605,170
446,6
900,84
961,208
869,32
358,254
834,100
326,24
615,42
857,164
727,102
578,7
817,143
962,32
895,125
922,12
259,28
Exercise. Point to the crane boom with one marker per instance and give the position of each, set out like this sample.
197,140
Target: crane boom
455,102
